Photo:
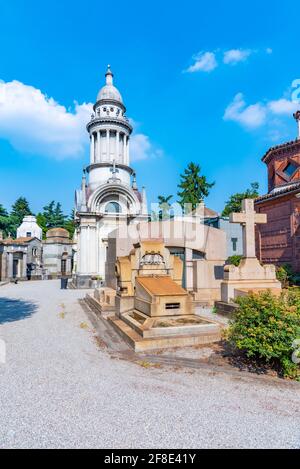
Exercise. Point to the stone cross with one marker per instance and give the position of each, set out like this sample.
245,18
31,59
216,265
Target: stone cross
114,170
248,218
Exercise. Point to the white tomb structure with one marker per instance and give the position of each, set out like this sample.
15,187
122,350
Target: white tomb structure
110,196
29,228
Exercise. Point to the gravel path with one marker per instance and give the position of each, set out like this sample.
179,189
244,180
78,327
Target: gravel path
59,389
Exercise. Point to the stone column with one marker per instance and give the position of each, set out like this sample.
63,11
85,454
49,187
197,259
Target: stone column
87,248
124,148
107,145
68,267
81,267
127,151
117,145
92,149
189,268
92,240
24,273
10,265
99,146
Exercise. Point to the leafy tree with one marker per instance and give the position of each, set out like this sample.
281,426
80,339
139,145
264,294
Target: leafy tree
59,217
164,205
193,187
42,222
20,209
53,215
234,204
4,219
70,224
11,222
3,211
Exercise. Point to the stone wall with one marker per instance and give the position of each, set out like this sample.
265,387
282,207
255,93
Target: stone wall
278,242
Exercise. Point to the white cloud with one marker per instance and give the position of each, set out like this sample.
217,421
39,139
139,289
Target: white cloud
251,116
34,123
283,106
233,56
207,61
141,148
204,62
270,115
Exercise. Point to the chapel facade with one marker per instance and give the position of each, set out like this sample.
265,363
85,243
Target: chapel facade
109,195
278,241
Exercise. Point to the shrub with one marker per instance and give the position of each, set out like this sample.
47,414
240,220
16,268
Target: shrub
265,326
234,260
284,274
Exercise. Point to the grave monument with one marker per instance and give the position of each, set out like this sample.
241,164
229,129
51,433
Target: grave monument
250,275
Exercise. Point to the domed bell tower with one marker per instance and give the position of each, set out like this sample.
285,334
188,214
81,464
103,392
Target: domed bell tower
110,132
109,197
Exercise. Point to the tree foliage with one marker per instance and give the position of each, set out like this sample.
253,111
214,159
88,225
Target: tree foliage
9,222
234,204
193,186
164,206
51,217
3,219
20,209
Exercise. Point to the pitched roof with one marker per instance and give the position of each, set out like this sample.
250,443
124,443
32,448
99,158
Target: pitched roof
284,147
279,191
22,240
161,285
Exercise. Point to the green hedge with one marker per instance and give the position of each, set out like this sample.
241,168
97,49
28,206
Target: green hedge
265,326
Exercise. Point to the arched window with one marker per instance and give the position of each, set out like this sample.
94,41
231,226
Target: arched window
113,207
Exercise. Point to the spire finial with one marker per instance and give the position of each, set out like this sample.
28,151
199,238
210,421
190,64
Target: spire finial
297,118
109,75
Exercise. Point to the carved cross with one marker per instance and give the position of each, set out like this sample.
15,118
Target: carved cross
248,218
114,170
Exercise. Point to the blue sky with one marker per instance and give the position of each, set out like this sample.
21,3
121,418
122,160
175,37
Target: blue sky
208,82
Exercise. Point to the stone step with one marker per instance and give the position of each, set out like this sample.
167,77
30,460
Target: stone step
98,309
139,344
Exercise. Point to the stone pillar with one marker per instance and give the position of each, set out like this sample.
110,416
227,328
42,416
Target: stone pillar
99,146
24,270
92,149
107,145
117,145
124,148
87,262
10,265
189,269
68,267
127,151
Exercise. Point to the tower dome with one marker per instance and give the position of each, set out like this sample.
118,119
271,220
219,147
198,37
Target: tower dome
109,91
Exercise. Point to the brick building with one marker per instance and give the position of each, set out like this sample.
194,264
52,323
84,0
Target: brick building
278,241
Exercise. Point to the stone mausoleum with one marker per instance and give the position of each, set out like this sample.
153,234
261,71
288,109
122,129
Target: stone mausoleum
20,258
278,241
57,253
109,196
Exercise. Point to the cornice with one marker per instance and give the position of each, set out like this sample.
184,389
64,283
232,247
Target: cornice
281,150
108,165
101,102
109,120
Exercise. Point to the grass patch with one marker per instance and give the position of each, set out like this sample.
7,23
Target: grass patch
146,364
83,325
